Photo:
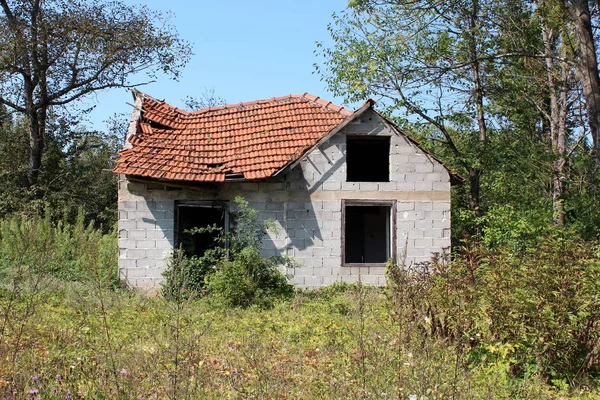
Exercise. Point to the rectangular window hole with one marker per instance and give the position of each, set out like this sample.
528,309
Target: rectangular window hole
367,159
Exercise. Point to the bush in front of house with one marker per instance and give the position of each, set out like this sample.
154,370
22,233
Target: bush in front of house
233,273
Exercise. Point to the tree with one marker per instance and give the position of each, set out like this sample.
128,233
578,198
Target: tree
55,52
488,85
428,58
579,11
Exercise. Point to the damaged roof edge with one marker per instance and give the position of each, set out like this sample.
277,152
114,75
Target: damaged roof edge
455,179
367,105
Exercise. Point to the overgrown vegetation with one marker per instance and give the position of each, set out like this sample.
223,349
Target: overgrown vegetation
490,324
232,272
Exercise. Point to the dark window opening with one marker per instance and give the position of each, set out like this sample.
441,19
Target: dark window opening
191,216
367,234
367,159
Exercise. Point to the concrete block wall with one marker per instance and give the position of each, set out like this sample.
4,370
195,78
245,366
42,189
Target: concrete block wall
306,204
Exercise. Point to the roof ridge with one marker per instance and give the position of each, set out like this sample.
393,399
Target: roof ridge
305,96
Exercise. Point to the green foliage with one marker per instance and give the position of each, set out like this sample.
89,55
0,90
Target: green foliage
248,279
77,174
532,313
232,272
72,252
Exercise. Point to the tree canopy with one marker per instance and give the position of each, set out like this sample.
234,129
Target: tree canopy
503,90
55,52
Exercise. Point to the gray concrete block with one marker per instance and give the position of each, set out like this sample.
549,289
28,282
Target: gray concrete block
314,281
423,242
145,244
320,252
144,224
165,224
405,186
137,234
127,224
136,253
442,186
323,271
333,262
386,186
332,205
332,185
424,186
350,186
436,177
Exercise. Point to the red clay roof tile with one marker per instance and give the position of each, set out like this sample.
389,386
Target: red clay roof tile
255,139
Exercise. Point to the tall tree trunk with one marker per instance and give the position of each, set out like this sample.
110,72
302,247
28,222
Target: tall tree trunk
37,130
557,93
588,68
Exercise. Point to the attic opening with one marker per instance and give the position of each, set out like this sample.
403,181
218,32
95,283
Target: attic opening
368,232
207,216
367,159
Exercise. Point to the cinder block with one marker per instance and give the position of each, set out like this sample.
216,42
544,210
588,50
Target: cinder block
424,168
147,214
319,252
144,224
127,243
405,186
371,186
127,263
146,282
424,186
436,177
157,253
415,177
370,280
386,186
127,224
323,271
441,205
442,186
136,253
376,271
425,224
163,244
332,262
330,280
405,206
165,224
332,185
416,233
146,263
423,206
145,244
332,205
324,215
441,243
423,242
403,167
350,186
314,281
359,270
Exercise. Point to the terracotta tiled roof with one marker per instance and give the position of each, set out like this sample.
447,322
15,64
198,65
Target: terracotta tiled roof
252,140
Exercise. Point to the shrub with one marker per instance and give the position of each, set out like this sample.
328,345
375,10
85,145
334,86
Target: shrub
532,313
74,252
233,272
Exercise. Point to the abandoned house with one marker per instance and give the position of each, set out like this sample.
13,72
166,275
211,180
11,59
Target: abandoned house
347,190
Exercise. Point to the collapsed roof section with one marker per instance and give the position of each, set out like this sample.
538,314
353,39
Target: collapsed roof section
247,141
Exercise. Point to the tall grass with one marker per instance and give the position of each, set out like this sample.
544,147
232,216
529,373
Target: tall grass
439,331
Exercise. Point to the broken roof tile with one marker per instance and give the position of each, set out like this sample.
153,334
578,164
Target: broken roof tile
255,138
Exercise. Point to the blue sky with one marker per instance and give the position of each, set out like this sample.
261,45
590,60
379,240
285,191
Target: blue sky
244,50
